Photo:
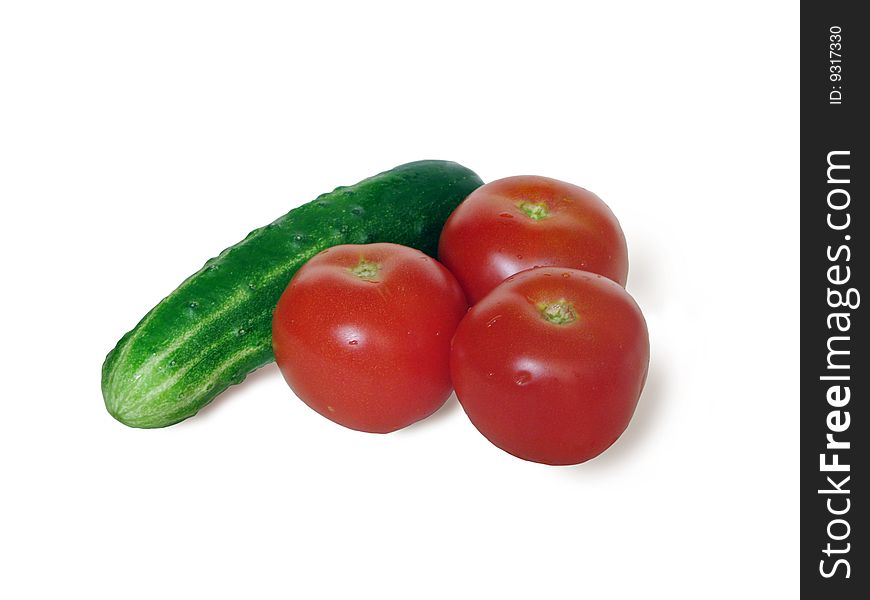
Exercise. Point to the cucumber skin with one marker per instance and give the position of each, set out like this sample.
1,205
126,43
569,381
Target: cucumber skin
216,327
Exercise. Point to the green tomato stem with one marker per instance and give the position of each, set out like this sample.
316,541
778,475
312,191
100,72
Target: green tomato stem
366,269
534,210
559,313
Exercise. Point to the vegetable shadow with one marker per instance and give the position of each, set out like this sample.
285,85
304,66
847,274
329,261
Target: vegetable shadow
447,412
258,377
641,427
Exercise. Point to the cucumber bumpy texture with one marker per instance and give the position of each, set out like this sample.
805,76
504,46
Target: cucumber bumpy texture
215,328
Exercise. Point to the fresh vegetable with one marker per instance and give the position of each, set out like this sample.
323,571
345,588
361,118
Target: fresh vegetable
216,327
516,223
550,365
362,335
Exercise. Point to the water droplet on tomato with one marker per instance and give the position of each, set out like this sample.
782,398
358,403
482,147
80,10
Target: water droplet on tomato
353,342
566,275
492,321
522,377
506,215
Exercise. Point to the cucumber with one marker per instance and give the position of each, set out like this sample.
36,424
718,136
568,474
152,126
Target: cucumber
216,327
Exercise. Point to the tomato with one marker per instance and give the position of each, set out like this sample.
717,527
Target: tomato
550,365
513,224
362,335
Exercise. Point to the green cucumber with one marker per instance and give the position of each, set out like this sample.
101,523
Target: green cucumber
216,327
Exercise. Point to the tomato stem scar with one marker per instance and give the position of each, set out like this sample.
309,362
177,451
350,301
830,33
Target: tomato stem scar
559,313
366,269
534,210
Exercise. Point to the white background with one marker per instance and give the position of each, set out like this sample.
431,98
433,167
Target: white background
139,139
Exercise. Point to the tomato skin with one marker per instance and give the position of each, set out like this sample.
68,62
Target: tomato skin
552,393
370,353
490,236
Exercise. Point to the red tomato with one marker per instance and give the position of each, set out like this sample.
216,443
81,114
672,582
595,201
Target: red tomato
513,224
362,335
550,365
